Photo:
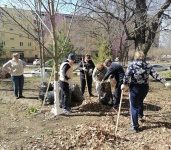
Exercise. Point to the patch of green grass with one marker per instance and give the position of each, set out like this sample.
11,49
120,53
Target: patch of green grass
32,110
165,74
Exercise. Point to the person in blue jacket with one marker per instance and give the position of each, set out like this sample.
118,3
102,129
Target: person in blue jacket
117,72
137,76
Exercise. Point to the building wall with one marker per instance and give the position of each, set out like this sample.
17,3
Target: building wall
14,38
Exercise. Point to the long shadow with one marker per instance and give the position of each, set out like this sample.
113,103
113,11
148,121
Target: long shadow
36,98
150,107
6,89
126,106
85,114
157,124
95,107
31,89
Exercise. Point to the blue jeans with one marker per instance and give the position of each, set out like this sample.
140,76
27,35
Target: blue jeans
18,83
137,94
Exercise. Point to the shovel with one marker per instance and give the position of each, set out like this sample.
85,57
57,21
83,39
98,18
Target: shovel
117,121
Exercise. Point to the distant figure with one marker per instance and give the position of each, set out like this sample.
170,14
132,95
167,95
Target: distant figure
117,72
86,68
65,81
16,68
138,75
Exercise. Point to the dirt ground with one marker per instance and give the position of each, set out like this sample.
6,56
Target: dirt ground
26,125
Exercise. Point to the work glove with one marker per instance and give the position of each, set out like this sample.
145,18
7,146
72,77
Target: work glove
123,87
90,71
84,68
102,82
167,84
70,82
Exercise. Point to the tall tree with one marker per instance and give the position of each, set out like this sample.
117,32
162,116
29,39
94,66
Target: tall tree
141,19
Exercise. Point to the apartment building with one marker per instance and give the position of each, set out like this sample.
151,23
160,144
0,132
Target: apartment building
14,38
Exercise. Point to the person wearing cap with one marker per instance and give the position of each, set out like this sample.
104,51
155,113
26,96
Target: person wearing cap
65,81
15,67
86,68
138,71
117,72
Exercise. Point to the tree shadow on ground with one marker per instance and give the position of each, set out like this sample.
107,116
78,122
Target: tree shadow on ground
157,124
32,97
149,107
7,90
95,107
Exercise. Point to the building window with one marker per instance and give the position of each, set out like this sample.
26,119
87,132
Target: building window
29,44
11,29
3,43
1,15
29,36
68,19
11,38
28,27
1,24
20,35
20,17
21,43
2,34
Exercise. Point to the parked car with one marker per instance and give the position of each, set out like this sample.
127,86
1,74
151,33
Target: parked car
36,62
4,74
37,72
159,67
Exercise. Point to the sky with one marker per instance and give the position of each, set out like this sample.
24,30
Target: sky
67,9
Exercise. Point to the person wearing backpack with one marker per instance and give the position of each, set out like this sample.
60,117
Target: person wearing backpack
137,77
15,67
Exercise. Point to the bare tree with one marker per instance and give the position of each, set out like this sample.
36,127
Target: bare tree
140,19
50,7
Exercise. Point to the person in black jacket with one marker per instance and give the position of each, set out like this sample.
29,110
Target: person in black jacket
117,72
86,68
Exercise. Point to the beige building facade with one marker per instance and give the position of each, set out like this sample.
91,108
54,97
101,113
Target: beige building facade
14,38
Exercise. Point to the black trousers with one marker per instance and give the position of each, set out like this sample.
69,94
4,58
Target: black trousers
83,84
64,94
117,94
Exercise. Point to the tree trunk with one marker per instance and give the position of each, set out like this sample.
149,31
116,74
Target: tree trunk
140,26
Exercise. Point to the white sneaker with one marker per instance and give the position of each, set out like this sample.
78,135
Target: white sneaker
66,112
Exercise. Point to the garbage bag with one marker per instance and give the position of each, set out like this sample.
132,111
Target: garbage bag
75,96
105,95
43,88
